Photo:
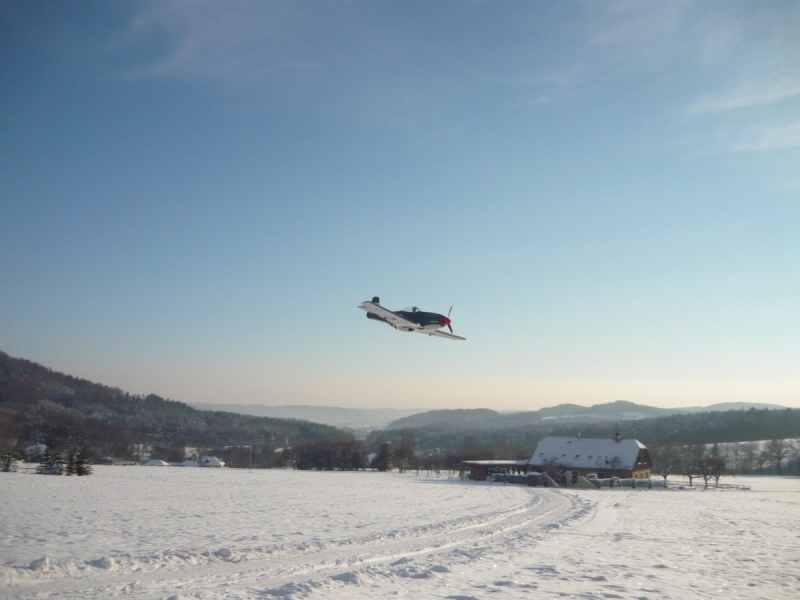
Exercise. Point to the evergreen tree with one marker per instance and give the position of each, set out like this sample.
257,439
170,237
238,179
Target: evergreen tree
383,462
83,463
9,463
52,463
45,463
70,466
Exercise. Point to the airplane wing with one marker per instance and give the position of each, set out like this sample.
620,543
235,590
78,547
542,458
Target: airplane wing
394,319
443,334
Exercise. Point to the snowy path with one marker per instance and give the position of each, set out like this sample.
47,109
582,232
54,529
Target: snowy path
193,533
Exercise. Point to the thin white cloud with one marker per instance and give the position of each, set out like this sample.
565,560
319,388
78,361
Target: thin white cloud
761,91
388,71
747,82
770,138
232,44
331,57
638,29
589,48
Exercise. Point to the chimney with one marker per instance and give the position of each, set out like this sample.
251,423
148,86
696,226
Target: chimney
617,437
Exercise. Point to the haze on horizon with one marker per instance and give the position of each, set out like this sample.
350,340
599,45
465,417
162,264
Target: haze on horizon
197,195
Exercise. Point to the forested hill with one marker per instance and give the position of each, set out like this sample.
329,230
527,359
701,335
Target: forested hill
563,414
40,405
490,441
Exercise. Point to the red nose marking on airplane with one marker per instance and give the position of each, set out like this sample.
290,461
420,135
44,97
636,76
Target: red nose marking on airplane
444,322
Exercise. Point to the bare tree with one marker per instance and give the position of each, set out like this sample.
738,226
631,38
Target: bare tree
691,461
666,460
777,451
748,456
794,457
733,456
716,464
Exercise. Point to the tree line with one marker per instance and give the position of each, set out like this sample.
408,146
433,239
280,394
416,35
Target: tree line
775,457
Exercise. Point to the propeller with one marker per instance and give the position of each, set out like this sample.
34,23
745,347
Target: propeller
447,320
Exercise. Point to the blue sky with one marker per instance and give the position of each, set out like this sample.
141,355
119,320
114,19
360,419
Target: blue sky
197,195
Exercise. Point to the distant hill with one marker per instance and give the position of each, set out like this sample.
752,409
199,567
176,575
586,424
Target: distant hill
41,405
723,406
355,418
400,418
460,418
620,410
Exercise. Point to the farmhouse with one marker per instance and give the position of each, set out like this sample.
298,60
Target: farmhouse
617,457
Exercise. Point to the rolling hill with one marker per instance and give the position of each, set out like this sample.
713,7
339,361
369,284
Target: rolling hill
621,410
38,405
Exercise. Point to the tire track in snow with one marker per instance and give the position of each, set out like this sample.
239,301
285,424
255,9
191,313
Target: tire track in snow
298,570
460,545
556,510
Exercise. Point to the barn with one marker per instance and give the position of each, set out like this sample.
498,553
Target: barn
616,457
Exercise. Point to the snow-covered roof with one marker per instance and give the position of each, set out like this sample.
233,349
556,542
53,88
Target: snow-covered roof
587,453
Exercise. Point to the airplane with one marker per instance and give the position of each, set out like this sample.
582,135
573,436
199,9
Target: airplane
410,319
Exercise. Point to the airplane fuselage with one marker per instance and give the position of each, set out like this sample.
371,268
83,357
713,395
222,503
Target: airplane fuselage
424,320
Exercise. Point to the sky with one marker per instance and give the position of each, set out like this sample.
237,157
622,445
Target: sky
196,196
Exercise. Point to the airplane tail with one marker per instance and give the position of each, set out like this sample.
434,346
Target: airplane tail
376,300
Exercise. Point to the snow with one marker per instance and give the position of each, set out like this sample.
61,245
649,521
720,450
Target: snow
176,533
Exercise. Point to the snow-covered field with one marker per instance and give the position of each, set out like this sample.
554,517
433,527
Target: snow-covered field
164,532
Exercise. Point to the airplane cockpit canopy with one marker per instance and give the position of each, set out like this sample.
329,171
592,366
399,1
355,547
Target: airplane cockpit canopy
411,309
